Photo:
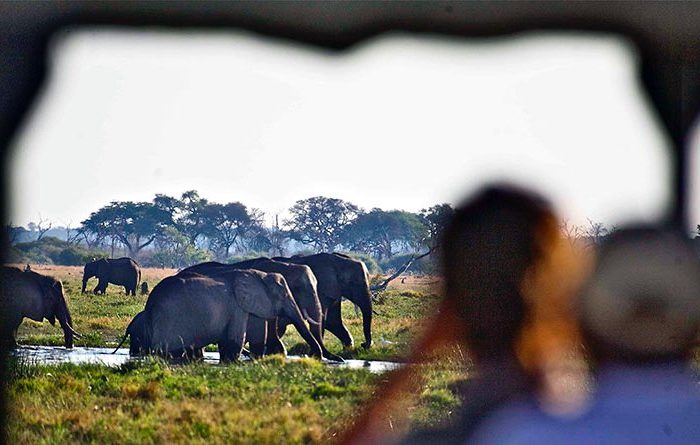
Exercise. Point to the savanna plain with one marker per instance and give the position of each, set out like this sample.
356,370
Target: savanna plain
270,400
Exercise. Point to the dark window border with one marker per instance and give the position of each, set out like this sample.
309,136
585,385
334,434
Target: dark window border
666,33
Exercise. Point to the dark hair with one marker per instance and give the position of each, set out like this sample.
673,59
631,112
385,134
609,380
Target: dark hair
486,250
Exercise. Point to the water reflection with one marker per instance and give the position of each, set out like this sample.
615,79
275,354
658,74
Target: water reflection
54,355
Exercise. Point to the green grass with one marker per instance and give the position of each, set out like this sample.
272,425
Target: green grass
265,401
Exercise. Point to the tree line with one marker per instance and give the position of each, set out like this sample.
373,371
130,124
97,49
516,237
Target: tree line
178,231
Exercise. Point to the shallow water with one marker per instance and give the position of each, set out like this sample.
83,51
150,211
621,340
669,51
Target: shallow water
53,355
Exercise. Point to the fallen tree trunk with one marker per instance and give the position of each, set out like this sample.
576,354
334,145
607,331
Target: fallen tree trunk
382,286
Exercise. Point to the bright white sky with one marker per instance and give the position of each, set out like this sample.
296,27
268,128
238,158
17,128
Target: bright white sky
400,122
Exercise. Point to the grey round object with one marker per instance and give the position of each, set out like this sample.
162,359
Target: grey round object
644,297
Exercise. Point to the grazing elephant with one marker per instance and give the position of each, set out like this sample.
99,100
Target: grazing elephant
120,271
261,334
340,276
32,295
144,288
189,311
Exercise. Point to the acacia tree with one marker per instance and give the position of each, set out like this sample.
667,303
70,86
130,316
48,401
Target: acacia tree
320,221
194,218
188,214
435,219
380,233
133,224
271,239
229,224
173,249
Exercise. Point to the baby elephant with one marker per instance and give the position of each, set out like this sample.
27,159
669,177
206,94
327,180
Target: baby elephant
187,312
144,288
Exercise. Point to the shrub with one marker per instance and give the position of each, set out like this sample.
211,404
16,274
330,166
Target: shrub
50,250
244,257
180,258
423,266
76,256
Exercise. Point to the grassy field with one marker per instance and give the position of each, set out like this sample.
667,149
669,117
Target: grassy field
266,401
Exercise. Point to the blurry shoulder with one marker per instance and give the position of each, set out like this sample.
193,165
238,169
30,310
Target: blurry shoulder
520,421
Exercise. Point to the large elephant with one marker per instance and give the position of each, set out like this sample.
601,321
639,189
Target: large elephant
340,276
262,334
35,296
120,271
189,311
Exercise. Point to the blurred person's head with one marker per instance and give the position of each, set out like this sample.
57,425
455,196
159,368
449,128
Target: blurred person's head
490,245
642,302
493,243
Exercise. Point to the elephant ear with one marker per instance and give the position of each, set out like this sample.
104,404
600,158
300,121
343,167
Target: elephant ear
50,301
252,295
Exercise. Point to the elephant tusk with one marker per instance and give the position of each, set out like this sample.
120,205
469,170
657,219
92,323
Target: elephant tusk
309,319
73,331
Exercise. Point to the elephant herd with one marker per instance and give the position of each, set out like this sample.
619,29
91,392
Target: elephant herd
252,301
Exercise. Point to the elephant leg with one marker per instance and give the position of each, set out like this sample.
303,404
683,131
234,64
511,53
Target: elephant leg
231,345
334,324
11,340
274,345
282,324
101,287
256,335
10,332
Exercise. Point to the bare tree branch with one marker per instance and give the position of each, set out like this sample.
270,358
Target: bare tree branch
42,230
383,285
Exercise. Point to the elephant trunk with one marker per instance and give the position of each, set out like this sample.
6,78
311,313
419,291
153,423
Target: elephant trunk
293,313
89,271
87,274
141,333
364,301
64,318
316,329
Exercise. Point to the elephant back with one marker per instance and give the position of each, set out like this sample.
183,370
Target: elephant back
12,280
161,291
188,285
124,262
207,268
